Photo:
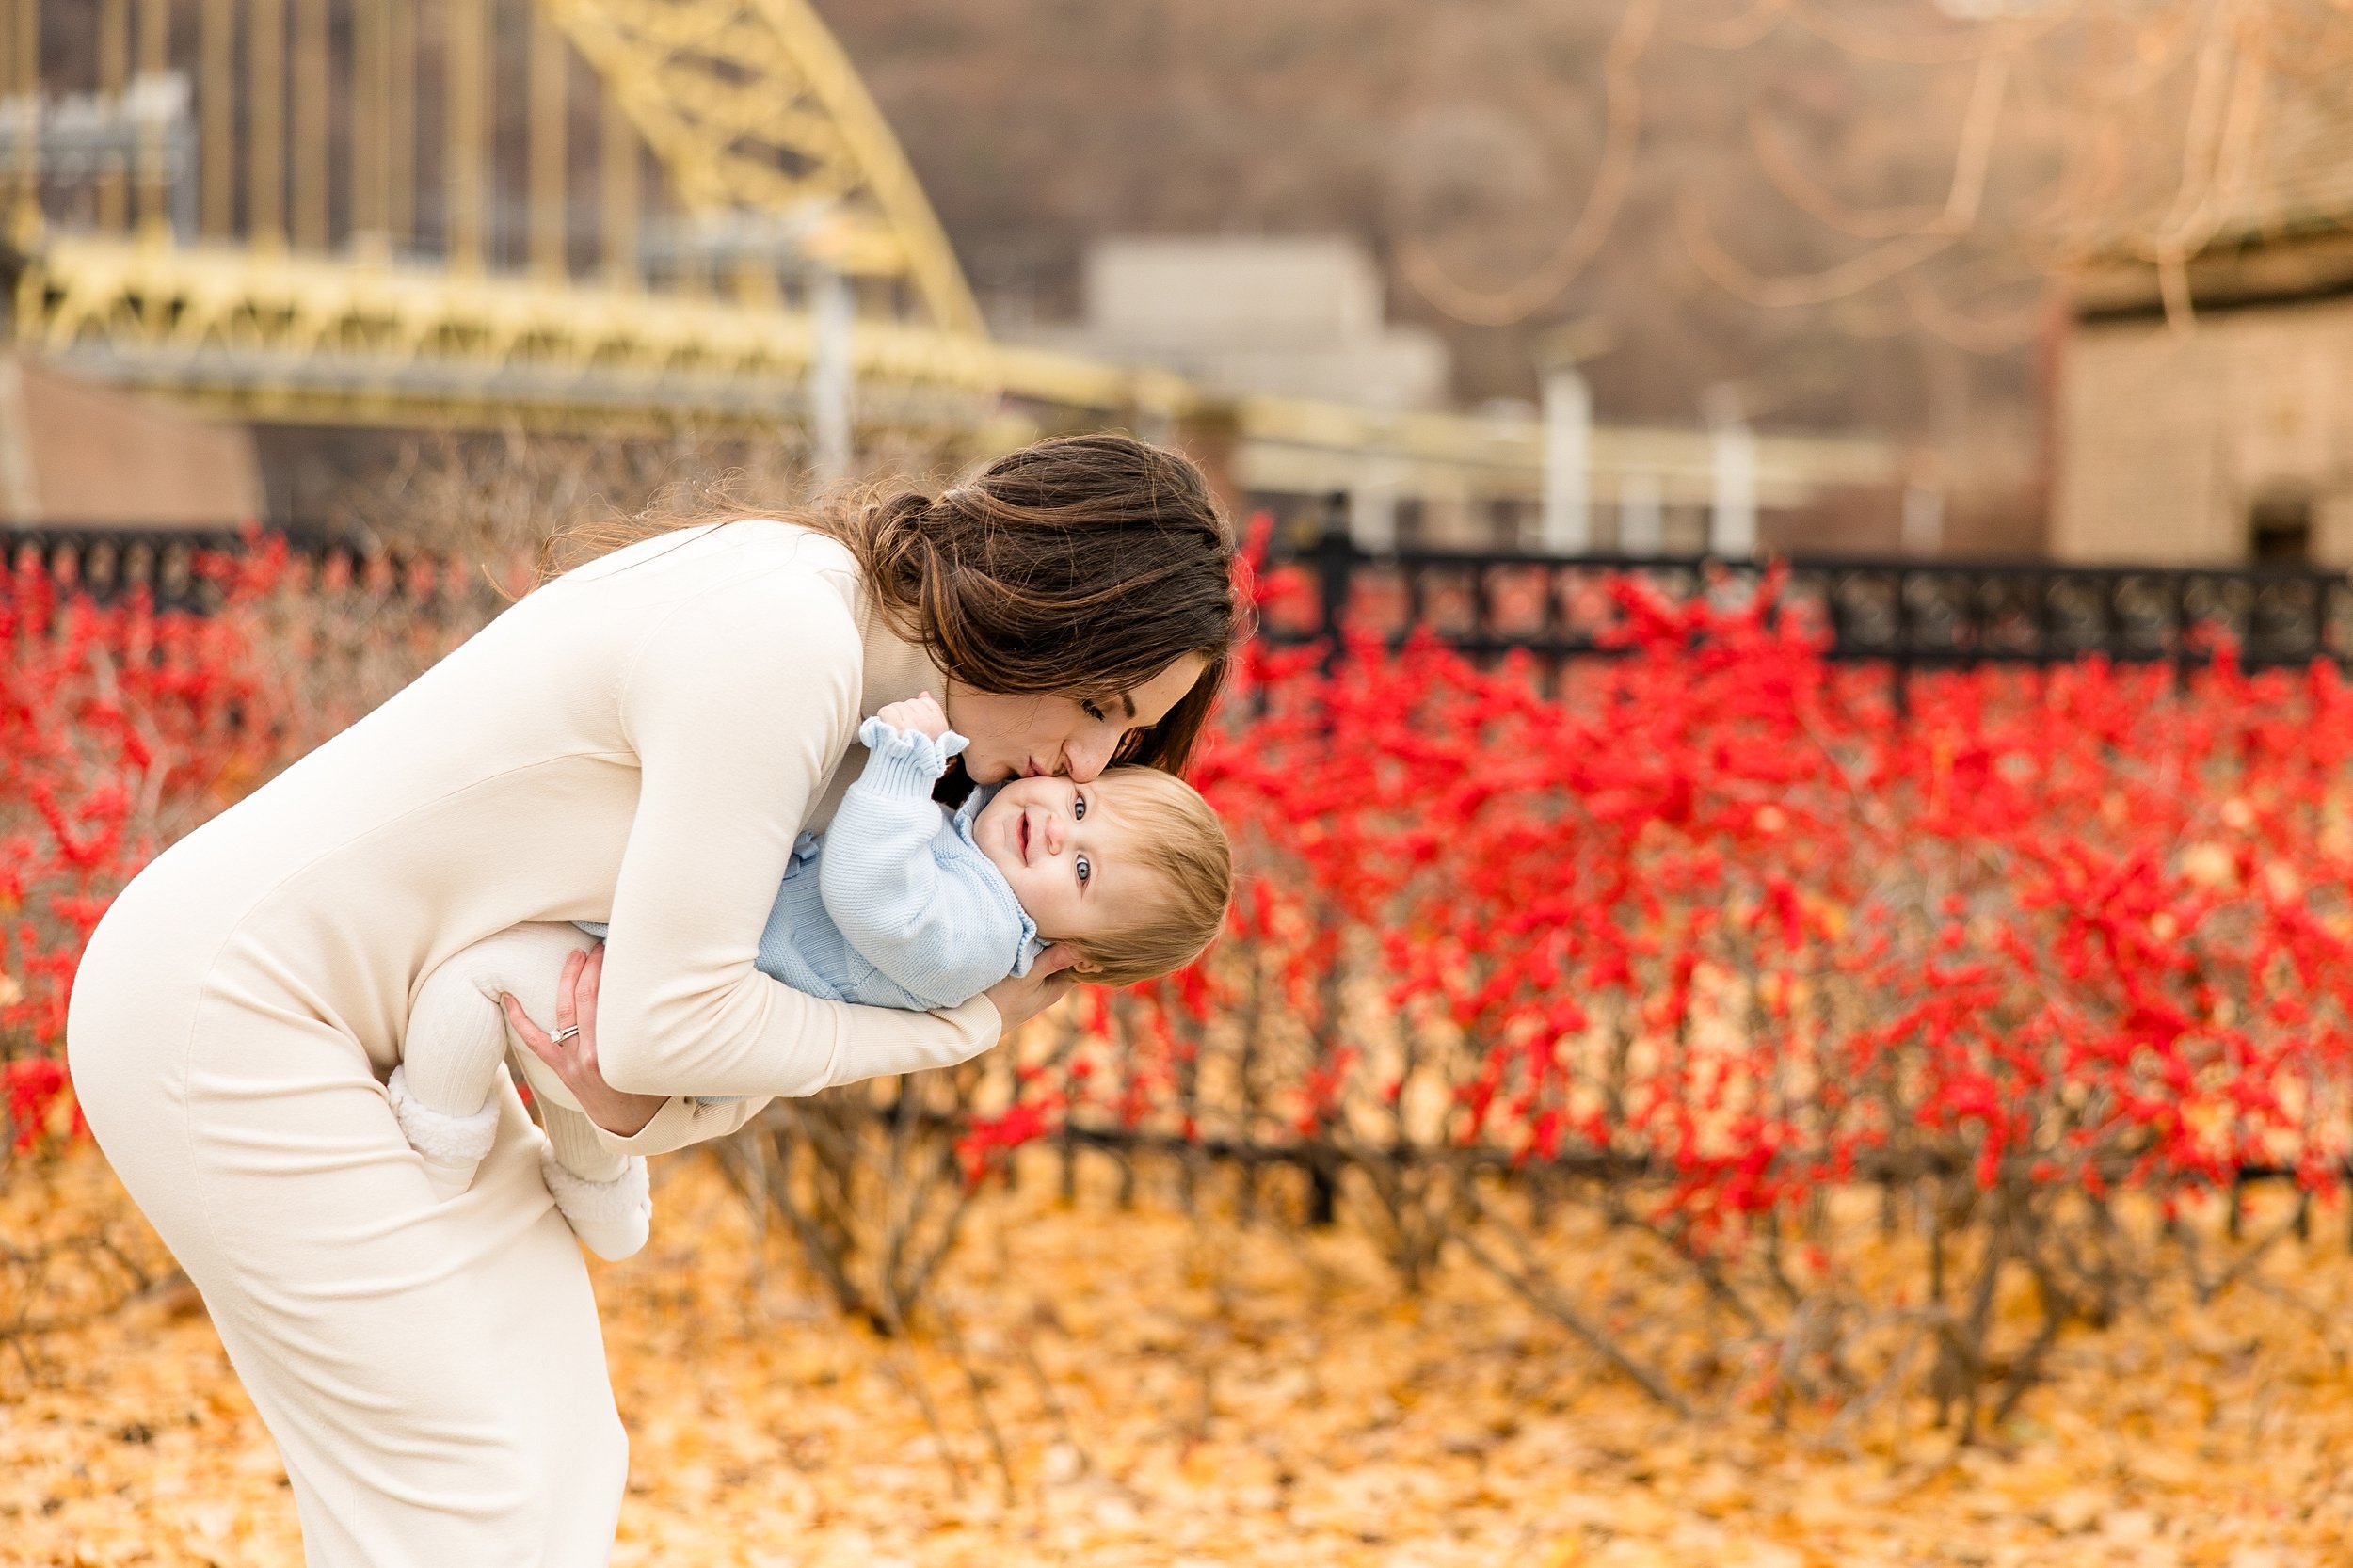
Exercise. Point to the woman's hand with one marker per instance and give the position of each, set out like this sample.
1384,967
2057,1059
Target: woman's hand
1019,999
574,1057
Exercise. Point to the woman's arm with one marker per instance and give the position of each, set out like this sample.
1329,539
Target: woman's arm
639,1124
737,704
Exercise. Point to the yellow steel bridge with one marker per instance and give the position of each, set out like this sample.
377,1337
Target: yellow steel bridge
562,212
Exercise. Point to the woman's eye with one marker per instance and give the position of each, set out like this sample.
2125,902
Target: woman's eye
1078,808
1085,871
1093,711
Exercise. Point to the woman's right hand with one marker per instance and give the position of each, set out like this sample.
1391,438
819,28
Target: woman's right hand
1021,997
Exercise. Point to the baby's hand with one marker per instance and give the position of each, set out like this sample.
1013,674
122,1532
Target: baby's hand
919,715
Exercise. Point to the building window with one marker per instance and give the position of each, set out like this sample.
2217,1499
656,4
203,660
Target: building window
2279,528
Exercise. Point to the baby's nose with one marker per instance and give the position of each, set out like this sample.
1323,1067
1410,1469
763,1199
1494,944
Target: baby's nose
1055,832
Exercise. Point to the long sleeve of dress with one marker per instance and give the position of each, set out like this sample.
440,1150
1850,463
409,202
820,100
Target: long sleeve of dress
929,924
736,703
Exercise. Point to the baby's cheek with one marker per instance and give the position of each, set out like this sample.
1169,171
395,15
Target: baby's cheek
1045,909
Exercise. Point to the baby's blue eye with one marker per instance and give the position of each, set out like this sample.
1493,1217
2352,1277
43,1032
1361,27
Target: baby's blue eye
1085,871
1078,808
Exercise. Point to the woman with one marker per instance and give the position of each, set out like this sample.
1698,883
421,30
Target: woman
638,741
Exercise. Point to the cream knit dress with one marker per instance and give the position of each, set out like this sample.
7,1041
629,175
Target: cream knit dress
639,740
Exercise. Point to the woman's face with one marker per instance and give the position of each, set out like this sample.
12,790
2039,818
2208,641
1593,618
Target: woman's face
1022,737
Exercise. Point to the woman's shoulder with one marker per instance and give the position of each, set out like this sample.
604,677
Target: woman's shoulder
759,565
760,593
795,543
754,607
738,543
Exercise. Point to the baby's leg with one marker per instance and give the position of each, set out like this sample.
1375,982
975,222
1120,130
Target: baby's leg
456,1042
457,1045
606,1195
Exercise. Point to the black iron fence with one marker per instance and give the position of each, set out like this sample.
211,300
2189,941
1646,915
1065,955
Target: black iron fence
1909,614
105,562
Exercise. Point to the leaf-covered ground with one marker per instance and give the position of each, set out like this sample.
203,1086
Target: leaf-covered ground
1172,1392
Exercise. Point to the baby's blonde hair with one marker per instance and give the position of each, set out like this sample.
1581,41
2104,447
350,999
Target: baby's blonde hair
1182,846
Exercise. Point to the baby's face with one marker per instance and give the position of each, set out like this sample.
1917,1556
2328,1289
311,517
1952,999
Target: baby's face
1067,854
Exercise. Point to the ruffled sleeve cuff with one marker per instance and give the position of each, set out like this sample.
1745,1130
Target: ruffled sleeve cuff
905,761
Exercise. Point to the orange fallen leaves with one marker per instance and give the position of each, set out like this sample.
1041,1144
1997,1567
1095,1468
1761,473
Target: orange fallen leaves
1170,1392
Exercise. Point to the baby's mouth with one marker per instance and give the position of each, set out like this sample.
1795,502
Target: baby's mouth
1023,829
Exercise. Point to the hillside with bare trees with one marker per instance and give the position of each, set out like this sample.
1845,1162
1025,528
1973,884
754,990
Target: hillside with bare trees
1465,136
1851,212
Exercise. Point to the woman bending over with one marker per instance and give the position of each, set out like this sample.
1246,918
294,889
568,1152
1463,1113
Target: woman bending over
638,743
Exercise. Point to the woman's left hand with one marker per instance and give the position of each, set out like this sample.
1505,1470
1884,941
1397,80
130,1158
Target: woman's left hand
574,1057
1020,999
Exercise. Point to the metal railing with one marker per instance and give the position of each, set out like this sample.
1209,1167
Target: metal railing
108,561
1908,614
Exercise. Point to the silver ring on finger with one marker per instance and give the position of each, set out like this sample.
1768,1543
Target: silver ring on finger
564,1034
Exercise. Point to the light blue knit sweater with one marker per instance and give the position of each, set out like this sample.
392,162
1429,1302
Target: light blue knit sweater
894,906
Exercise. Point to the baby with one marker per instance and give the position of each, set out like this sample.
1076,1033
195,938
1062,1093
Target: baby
900,902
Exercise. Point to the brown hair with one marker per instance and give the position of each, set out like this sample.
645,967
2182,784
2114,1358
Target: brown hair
1078,567
1182,846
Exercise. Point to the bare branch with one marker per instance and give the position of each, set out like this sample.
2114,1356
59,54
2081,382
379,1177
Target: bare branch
1480,307
1978,125
1978,42
1915,240
1742,31
1998,336
1536,1293
1775,157
1816,288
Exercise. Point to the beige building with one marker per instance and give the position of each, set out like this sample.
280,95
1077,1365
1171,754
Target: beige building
2223,434
2227,443
75,454
1289,318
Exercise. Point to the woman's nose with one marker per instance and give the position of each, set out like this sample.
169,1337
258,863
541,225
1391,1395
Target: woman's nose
1087,755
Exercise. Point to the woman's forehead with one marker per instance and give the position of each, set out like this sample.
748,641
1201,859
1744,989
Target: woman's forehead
1152,700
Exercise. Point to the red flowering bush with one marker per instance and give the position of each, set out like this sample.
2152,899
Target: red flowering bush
122,727
1715,910
119,727
1714,937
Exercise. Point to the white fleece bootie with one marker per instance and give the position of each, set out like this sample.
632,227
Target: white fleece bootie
610,1218
452,1146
